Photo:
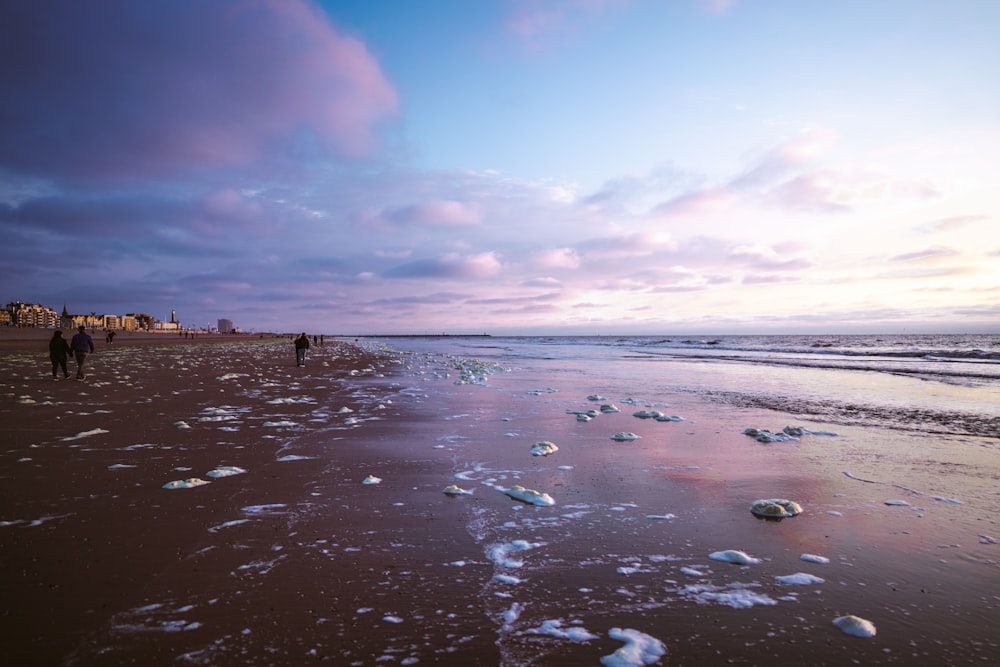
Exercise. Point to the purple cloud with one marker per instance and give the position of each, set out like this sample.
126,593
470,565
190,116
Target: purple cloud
937,252
102,90
451,266
446,213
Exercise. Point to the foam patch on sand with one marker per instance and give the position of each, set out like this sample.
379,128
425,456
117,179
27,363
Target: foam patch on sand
625,436
554,628
189,483
777,508
734,556
799,579
737,595
640,649
454,490
763,435
530,496
799,430
544,448
855,625
85,434
225,471
501,553
813,558
371,479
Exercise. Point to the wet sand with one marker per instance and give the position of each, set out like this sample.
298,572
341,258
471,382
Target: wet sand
297,561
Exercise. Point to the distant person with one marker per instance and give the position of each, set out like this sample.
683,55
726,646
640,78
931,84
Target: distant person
322,340
58,353
301,345
82,345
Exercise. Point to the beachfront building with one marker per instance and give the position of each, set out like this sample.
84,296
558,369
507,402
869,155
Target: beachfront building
226,326
31,315
143,322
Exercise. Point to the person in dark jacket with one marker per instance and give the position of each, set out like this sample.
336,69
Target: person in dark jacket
301,345
82,345
58,353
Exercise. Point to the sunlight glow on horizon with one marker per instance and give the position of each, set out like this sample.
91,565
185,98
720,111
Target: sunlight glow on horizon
508,166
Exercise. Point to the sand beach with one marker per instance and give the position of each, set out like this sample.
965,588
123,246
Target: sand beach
207,502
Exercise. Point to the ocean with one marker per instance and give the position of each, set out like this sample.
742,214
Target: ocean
944,384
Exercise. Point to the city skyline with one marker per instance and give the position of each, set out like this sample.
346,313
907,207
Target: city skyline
556,166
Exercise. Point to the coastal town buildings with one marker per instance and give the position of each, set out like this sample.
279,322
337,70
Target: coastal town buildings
20,314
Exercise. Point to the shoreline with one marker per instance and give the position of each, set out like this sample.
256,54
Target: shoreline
297,559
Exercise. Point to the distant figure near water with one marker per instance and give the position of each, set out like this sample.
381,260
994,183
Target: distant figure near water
301,345
82,345
58,353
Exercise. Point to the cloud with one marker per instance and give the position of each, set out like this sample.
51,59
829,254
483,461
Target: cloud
451,266
448,213
532,20
558,258
97,91
951,223
937,252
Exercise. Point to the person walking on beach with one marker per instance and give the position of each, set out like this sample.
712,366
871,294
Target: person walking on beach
58,353
82,345
301,345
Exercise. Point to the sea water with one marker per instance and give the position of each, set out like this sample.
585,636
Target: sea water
926,383
873,418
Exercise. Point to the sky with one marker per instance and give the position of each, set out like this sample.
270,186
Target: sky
604,167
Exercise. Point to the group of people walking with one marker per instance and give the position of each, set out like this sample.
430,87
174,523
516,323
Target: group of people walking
59,350
82,344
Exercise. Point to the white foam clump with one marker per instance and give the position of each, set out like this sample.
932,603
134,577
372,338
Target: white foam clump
455,490
763,435
855,625
639,649
799,430
661,516
738,596
188,483
544,448
624,436
647,414
182,424
371,479
280,424
530,496
553,628
734,556
500,553
85,434
225,471
813,558
898,503
775,507
232,376
609,408
799,578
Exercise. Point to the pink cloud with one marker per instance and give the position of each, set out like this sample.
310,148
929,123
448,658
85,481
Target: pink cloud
435,214
157,87
559,258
